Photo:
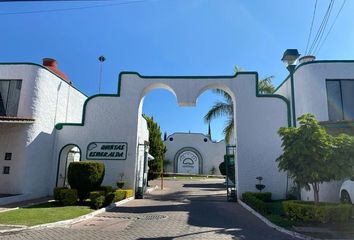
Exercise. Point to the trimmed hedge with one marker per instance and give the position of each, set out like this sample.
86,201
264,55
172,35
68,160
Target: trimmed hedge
68,196
119,195
57,192
254,202
109,198
105,189
85,176
128,192
322,213
263,196
97,199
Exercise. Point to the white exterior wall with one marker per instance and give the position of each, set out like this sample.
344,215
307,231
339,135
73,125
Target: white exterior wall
311,97
212,153
114,118
48,100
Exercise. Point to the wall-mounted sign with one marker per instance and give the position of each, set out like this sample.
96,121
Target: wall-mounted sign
188,162
107,151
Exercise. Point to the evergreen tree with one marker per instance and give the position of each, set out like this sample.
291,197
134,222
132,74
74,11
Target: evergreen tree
157,148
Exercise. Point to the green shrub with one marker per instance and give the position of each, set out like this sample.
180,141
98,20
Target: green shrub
321,213
97,199
105,189
222,168
254,202
128,193
57,192
68,196
85,176
263,196
119,195
109,198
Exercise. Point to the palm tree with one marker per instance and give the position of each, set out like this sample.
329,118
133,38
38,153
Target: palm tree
226,107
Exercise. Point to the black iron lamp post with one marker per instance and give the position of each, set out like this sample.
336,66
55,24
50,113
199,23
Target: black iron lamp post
289,58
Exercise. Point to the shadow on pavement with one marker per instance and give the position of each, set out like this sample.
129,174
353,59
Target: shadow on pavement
206,210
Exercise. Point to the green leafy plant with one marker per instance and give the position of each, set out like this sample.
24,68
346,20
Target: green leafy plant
85,176
119,195
311,156
260,186
120,184
157,148
57,192
97,199
68,197
226,107
320,213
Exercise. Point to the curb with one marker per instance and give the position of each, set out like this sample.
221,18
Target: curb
64,223
276,227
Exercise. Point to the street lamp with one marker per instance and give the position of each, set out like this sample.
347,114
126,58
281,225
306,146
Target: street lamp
289,59
101,59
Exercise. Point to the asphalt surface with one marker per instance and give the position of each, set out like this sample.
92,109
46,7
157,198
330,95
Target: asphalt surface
183,210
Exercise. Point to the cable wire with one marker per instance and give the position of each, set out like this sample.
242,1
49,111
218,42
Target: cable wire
322,27
313,19
335,19
72,8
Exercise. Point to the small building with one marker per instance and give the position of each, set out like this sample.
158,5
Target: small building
193,153
33,99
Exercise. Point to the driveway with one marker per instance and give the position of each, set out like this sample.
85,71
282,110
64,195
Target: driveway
183,210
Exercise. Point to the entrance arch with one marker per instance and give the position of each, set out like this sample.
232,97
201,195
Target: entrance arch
69,153
258,117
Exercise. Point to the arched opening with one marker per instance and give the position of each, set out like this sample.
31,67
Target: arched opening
184,127
69,153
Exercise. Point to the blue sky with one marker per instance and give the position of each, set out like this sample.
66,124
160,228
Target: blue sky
169,37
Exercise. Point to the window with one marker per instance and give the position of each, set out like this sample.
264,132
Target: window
9,97
6,170
8,156
340,99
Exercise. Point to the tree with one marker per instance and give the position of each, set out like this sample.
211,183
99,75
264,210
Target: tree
157,148
226,107
312,156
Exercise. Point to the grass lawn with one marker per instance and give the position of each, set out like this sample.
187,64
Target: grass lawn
42,213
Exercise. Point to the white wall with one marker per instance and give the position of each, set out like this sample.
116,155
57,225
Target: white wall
311,97
211,152
45,98
115,119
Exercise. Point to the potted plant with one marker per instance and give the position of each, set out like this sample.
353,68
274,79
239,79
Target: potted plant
120,183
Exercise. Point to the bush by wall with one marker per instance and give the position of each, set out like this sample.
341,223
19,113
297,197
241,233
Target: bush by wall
68,196
263,196
128,192
254,202
85,176
57,192
321,213
105,189
119,195
97,199
109,198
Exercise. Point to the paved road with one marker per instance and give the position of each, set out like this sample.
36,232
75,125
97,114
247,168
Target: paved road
183,210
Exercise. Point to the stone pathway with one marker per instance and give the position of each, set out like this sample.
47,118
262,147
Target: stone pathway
183,210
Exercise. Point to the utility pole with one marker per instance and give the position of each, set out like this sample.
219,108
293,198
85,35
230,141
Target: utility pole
101,59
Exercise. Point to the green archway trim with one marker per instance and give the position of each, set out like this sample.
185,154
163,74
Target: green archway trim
59,126
175,165
60,152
